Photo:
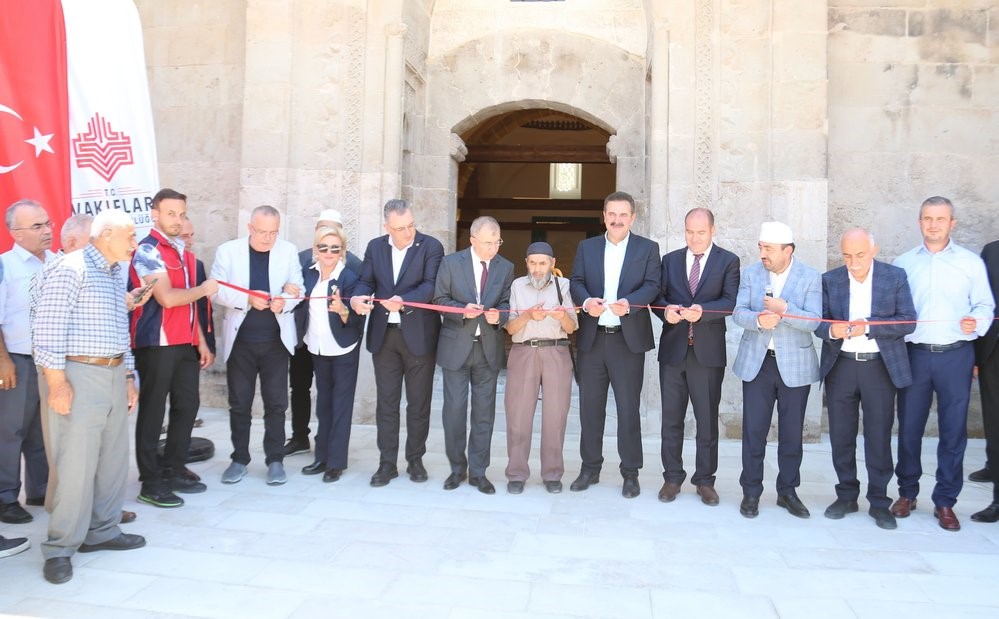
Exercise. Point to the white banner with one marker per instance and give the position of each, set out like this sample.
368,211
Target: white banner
112,142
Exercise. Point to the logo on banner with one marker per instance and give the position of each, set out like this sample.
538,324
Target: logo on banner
102,149
40,141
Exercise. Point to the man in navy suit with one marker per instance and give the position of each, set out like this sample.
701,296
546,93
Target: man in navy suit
471,349
399,267
615,277
699,286
863,365
987,360
779,305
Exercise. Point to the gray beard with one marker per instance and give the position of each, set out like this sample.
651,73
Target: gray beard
539,283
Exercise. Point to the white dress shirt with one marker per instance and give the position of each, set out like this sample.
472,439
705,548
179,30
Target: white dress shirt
613,263
319,337
398,255
861,294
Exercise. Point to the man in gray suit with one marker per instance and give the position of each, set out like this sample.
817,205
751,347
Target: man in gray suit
779,306
470,349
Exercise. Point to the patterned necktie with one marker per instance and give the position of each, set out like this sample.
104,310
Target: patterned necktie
692,282
482,280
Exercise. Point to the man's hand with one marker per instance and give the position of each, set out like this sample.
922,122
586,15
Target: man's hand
258,302
362,304
595,307
968,325
768,320
8,374
775,305
558,313
290,289
492,316
620,307
60,397
692,313
673,314
277,304
839,330
205,356
209,287
536,313
132,395
472,310
393,304
857,328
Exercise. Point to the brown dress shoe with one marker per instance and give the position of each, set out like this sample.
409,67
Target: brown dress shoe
127,516
948,521
903,507
668,492
708,495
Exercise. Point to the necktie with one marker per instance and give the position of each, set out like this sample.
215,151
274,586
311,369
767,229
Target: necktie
692,282
482,280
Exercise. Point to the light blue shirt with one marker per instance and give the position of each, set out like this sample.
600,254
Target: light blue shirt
19,267
947,286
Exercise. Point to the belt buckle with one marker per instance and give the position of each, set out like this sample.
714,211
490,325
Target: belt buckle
534,343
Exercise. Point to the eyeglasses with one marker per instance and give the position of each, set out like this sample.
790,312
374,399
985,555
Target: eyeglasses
47,225
489,244
265,234
323,248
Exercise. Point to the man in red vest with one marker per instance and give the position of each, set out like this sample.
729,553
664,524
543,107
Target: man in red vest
170,350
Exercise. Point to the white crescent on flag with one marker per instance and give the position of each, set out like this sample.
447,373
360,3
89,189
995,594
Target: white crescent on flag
5,168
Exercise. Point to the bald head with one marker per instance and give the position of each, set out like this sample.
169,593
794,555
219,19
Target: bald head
859,250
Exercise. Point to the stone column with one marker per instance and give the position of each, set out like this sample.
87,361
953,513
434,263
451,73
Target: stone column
395,38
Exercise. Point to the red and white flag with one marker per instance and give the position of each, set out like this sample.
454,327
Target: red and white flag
34,110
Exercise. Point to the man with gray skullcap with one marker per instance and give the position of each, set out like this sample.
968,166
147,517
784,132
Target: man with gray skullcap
541,318
776,362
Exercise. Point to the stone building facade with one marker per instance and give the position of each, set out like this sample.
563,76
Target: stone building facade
821,114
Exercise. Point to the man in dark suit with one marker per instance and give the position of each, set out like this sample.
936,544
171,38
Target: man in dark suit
864,364
615,277
399,267
300,366
699,278
471,349
987,359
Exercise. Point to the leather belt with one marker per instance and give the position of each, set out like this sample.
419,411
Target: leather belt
860,356
393,325
603,329
543,343
939,347
110,362
477,338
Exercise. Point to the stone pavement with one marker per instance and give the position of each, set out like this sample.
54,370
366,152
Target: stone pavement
309,549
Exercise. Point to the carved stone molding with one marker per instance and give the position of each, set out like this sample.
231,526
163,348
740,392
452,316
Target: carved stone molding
458,150
613,148
398,29
704,101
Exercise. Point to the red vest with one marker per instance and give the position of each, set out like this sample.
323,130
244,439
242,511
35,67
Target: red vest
154,325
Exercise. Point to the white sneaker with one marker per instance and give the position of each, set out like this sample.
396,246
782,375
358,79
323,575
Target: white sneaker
234,473
275,474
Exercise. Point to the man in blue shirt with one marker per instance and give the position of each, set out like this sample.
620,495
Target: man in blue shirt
954,305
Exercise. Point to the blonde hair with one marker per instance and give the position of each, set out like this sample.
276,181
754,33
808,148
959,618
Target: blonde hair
331,231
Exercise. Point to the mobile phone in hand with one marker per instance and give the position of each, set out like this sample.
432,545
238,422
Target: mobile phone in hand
141,292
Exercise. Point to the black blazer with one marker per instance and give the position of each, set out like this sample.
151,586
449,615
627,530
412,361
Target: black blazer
420,327
986,345
345,334
203,305
639,284
717,291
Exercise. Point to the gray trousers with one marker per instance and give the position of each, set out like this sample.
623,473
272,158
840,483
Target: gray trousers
475,430
21,433
90,453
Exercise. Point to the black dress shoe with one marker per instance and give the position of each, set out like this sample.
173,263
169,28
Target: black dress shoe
124,541
332,475
454,480
514,487
314,469
630,489
58,570
793,505
35,501
842,507
417,472
883,517
296,446
484,485
13,513
553,487
981,475
384,474
989,514
750,506
585,480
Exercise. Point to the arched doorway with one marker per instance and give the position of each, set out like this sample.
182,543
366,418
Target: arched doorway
542,174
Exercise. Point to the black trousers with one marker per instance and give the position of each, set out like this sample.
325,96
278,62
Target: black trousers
758,397
394,364
269,360
300,374
988,383
851,385
610,364
165,372
336,381
701,386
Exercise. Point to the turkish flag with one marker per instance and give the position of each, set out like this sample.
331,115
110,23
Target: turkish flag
34,110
